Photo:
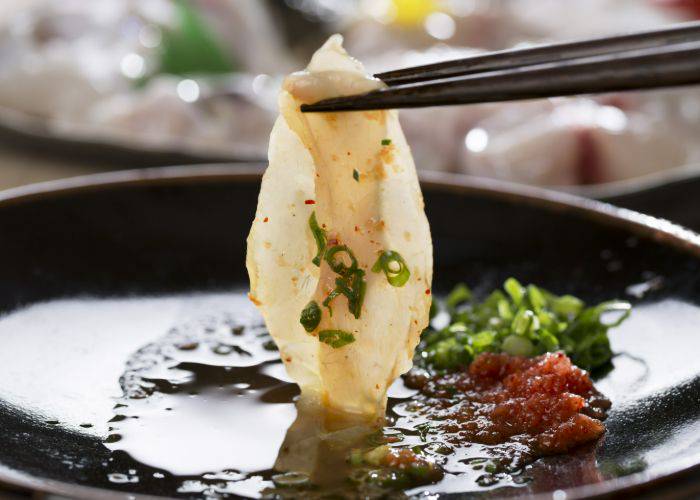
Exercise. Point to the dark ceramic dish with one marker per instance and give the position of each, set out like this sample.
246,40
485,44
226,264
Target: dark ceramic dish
151,233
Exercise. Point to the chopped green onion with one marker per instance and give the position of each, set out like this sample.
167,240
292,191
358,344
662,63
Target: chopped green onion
386,142
566,305
310,316
336,338
515,345
327,301
394,268
356,174
616,308
354,287
320,237
536,298
514,289
357,291
523,321
450,353
482,341
458,296
336,264
505,311
351,282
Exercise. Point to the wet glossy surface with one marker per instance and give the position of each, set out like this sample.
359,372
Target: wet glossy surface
190,396
153,261
531,406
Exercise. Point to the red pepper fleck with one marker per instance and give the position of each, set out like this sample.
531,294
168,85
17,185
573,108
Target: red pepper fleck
310,202
266,219
427,291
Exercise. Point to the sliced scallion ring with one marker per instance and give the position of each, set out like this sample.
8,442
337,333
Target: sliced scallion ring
394,268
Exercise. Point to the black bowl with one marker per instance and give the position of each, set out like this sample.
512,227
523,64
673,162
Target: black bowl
150,233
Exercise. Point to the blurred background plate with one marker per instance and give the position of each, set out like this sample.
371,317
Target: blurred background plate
156,82
22,133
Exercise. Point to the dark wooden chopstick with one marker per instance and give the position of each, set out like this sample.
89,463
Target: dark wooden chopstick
665,66
512,58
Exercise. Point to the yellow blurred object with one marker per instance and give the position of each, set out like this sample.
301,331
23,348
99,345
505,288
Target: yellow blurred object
413,12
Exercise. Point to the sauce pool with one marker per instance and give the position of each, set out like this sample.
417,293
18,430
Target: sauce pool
541,406
210,399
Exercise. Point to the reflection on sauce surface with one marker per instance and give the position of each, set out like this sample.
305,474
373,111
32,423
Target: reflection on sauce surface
209,409
524,408
205,398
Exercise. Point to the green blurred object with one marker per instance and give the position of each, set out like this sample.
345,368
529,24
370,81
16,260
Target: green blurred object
193,47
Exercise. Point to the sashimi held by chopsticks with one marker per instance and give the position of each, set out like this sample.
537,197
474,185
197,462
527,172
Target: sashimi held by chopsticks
339,254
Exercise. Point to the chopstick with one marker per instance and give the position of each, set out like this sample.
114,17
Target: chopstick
676,63
686,32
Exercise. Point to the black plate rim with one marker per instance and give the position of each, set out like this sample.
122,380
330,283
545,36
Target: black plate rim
660,230
657,228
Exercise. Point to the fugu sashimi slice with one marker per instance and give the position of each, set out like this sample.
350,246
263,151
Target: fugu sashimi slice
354,173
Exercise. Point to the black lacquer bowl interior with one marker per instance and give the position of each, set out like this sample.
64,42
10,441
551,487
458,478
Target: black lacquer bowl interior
91,271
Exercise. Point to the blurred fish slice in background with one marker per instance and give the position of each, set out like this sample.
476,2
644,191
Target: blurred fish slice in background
555,142
140,71
200,77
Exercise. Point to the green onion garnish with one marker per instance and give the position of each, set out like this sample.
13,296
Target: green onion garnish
356,174
354,287
310,316
386,142
458,296
394,268
351,282
336,264
319,236
521,321
327,301
336,338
